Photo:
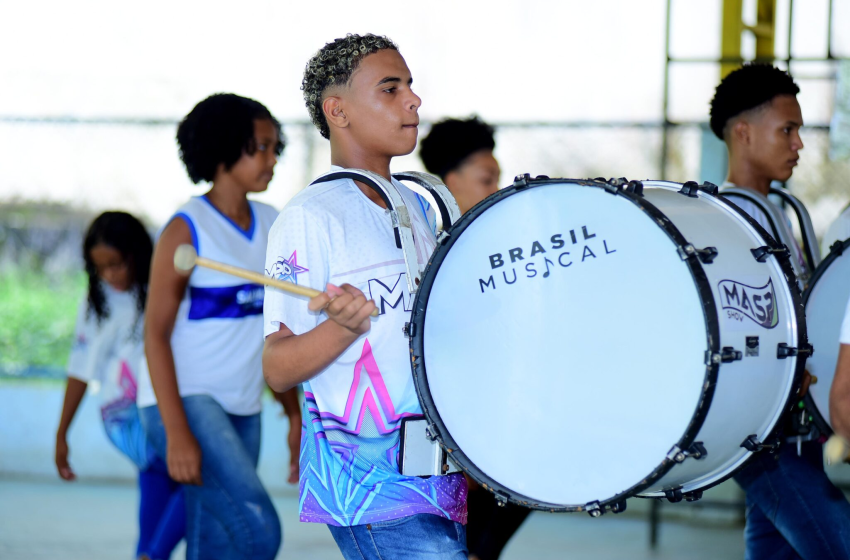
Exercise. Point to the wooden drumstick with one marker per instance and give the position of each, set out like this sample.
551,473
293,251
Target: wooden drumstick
186,258
836,449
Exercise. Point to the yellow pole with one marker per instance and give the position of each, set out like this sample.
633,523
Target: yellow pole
733,27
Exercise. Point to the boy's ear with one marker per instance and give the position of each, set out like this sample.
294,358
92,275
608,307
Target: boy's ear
741,132
334,114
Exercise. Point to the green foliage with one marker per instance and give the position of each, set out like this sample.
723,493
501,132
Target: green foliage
37,315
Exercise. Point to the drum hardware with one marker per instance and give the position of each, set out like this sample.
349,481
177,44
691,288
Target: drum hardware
695,451
501,499
419,453
594,509
408,330
727,355
753,444
635,187
445,202
694,496
674,496
706,255
837,248
784,351
761,253
690,189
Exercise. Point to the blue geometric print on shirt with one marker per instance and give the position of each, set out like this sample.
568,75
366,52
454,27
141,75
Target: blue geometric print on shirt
227,302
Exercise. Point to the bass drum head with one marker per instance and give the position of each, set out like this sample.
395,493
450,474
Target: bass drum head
559,344
826,302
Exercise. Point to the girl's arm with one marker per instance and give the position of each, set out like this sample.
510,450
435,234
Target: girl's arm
292,409
165,293
289,359
74,392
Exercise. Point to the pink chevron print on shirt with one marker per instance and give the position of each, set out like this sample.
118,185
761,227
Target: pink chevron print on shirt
385,417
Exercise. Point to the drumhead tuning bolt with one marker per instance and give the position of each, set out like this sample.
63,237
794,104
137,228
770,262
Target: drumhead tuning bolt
729,354
686,251
761,253
431,432
693,496
594,510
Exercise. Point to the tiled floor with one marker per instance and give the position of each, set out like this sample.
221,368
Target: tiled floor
43,519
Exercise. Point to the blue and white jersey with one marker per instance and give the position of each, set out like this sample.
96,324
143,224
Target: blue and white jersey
218,333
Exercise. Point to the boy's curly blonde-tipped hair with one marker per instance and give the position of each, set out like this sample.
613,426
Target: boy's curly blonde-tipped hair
333,65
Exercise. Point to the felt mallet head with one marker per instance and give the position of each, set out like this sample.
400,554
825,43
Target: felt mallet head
184,259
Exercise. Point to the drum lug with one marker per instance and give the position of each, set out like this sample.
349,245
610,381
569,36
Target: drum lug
837,248
409,330
674,496
693,496
753,444
635,187
695,451
442,237
594,510
761,253
618,507
729,354
501,499
707,255
709,188
521,181
686,251
784,351
690,189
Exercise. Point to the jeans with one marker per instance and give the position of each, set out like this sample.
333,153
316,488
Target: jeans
230,516
162,512
417,537
793,510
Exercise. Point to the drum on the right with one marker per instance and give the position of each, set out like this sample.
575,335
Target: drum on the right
826,301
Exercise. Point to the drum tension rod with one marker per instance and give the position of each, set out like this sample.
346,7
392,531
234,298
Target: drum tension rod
727,355
837,248
761,253
753,444
696,451
706,255
784,351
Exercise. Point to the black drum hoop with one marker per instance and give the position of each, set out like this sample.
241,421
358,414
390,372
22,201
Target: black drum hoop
417,346
835,251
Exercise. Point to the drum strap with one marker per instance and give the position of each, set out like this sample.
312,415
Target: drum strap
402,226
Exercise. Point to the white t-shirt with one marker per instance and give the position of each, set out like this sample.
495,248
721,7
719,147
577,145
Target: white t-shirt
332,233
839,230
109,352
217,341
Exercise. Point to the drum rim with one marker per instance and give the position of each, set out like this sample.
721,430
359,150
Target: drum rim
836,250
438,427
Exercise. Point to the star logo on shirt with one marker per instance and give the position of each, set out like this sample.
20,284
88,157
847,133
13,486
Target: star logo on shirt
287,269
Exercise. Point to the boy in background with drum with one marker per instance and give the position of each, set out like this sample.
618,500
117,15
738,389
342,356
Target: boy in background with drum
460,152
337,236
793,510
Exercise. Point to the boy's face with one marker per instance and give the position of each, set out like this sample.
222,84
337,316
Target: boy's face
775,138
254,171
381,107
